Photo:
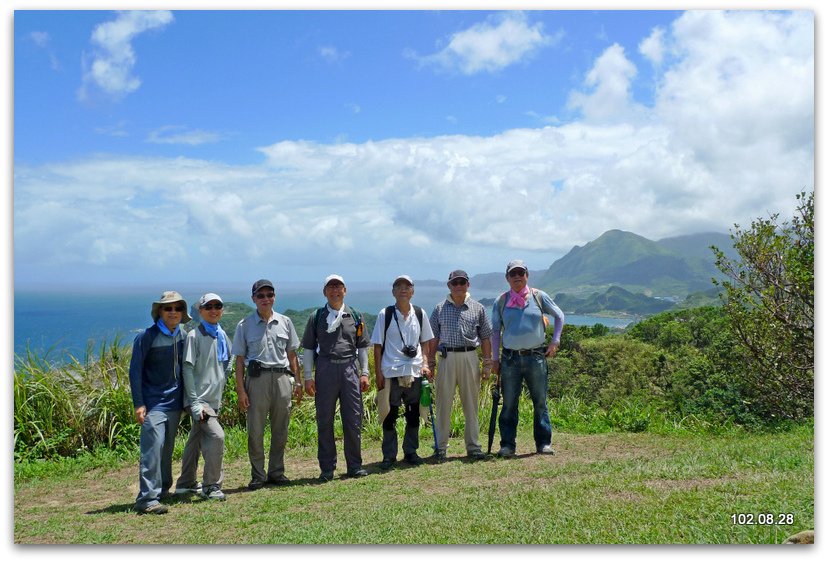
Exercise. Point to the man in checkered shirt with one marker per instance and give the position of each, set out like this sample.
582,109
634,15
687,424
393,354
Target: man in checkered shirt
460,325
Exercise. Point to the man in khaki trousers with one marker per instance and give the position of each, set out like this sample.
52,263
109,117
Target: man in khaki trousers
460,325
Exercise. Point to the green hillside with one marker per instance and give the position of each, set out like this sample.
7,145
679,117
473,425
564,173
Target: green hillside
615,299
670,267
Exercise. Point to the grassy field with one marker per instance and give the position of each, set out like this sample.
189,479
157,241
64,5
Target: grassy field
612,488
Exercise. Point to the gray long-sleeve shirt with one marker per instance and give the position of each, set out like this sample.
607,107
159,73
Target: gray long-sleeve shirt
204,375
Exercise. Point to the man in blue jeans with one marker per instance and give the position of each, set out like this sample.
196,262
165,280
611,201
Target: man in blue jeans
519,315
157,391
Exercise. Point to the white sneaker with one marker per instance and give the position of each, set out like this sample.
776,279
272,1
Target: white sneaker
180,490
213,493
546,450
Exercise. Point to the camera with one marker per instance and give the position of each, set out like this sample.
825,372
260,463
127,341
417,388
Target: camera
409,351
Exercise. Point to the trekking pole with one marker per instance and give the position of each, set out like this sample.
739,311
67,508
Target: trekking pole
425,400
493,418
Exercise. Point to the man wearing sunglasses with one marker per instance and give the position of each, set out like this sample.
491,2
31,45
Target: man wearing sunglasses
265,345
206,360
155,383
460,325
519,315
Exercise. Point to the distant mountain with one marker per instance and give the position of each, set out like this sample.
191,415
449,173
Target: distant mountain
615,299
497,281
670,267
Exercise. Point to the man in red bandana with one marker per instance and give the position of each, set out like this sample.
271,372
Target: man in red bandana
518,322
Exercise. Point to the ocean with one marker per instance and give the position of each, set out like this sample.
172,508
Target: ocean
55,325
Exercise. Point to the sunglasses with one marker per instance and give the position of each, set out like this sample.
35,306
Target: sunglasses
456,282
517,273
211,306
261,296
178,308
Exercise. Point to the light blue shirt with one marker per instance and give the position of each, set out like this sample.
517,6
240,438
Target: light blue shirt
522,328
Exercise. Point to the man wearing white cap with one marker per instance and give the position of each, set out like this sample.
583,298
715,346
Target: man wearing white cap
398,336
155,382
265,345
336,336
206,359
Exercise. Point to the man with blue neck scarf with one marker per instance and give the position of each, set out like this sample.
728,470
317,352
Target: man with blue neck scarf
265,345
155,382
206,358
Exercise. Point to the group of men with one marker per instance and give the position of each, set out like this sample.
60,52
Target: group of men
172,370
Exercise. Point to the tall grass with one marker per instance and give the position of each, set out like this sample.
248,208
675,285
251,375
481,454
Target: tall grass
60,411
86,404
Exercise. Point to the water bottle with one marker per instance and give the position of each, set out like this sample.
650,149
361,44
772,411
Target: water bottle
425,393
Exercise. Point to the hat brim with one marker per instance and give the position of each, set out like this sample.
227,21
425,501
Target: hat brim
156,312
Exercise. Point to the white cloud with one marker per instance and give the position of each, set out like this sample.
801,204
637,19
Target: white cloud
174,134
729,138
40,38
43,40
492,45
653,47
111,63
332,54
610,81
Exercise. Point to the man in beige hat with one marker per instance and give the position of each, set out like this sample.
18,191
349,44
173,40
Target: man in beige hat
156,385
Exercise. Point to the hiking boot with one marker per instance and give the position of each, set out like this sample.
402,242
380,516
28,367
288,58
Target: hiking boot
546,450
387,464
254,485
414,459
477,455
439,457
506,452
326,476
280,480
213,493
190,489
153,509
358,473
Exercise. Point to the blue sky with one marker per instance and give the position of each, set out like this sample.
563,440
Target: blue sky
159,147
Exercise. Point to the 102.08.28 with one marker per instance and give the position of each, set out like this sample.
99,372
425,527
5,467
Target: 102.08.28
762,518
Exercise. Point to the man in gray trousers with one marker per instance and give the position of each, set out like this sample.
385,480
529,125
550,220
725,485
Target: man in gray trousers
265,344
337,336
204,370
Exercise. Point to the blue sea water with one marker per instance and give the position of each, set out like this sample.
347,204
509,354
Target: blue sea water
56,325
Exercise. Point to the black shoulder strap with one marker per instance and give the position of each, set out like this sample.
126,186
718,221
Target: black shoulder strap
419,312
389,313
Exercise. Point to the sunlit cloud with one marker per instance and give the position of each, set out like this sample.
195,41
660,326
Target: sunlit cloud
489,46
109,67
173,134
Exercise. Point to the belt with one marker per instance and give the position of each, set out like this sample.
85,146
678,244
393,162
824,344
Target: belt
541,350
466,348
341,361
275,370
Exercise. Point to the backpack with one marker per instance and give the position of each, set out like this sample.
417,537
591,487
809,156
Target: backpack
501,305
323,310
389,314
352,311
